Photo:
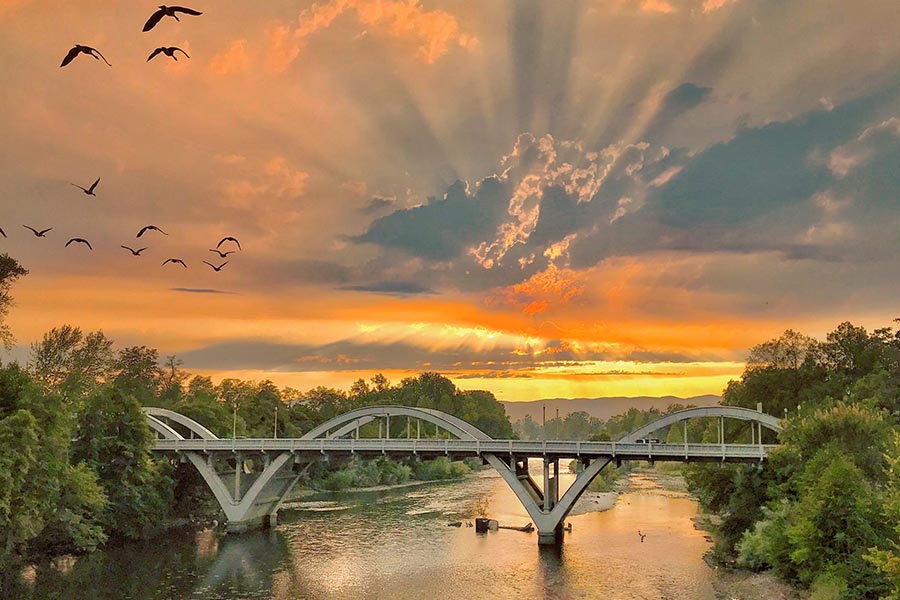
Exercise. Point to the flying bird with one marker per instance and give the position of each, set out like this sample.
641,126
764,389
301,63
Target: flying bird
133,251
643,535
79,49
168,11
214,267
41,233
89,191
174,260
3,233
150,228
229,239
80,241
222,254
168,51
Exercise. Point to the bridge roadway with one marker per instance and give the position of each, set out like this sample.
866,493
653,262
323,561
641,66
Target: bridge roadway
430,448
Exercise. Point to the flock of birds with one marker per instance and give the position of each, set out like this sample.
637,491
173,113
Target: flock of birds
156,17
161,12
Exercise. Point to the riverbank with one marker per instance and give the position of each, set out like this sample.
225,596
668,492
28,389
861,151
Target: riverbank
741,584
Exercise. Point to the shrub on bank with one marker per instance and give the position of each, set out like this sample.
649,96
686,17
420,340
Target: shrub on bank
440,468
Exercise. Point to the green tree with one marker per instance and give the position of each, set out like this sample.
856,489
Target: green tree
10,271
137,373
114,441
71,363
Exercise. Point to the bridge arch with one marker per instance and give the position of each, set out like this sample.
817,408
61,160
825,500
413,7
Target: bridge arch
728,412
155,417
345,424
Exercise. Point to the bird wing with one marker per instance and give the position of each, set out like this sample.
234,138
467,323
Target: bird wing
86,243
42,232
78,186
31,228
178,260
101,55
139,250
168,260
127,248
187,11
141,232
153,20
93,186
154,53
210,264
69,242
222,265
180,50
70,56
3,233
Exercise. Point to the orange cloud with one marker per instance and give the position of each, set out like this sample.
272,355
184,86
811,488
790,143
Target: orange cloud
232,61
657,6
434,31
535,295
711,5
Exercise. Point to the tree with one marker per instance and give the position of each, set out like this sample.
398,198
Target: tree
114,440
137,373
10,271
71,363
41,495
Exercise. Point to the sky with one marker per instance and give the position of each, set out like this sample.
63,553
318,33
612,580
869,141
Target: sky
542,199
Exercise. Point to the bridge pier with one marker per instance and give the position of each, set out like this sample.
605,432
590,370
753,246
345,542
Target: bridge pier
249,502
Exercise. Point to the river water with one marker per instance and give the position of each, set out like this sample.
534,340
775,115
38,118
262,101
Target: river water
396,544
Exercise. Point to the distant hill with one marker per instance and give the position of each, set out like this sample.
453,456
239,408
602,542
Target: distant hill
601,408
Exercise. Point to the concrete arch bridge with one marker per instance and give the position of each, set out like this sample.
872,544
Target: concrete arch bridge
250,478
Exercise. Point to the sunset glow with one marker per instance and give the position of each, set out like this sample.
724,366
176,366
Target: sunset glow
567,199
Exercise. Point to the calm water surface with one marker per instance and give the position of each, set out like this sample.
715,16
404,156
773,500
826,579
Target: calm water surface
396,544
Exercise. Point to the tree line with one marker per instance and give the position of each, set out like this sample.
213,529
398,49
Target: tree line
824,511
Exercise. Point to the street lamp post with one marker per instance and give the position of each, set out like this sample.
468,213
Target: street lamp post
275,434
234,422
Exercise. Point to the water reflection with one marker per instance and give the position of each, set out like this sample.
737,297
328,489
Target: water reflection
396,544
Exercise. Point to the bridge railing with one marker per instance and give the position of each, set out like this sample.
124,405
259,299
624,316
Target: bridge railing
572,449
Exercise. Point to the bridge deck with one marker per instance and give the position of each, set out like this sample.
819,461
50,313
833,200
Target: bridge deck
462,448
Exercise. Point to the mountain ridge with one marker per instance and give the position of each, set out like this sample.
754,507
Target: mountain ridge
602,407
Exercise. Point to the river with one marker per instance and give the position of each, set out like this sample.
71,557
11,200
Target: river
396,544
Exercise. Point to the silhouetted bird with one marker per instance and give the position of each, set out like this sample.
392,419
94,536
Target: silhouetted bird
80,241
222,254
174,260
150,228
79,49
214,267
643,535
133,251
168,11
41,233
89,191
229,239
3,233
168,51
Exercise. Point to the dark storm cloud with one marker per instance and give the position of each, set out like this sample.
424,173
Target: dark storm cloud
377,204
678,101
753,193
199,290
442,229
762,169
350,354
393,288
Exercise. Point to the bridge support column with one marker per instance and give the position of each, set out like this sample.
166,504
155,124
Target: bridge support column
549,521
258,505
